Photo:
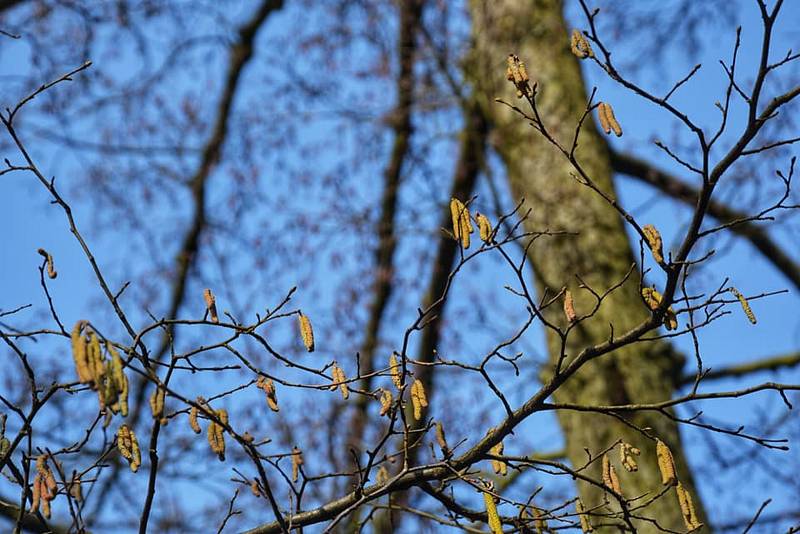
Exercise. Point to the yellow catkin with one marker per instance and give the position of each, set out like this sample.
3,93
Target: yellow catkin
418,398
396,371
382,476
586,525
297,461
306,332
654,242
539,521
484,227
607,119
745,305
456,206
193,420
75,489
157,403
569,307
340,381
601,115
211,305
95,359
128,447
386,401
441,439
36,496
462,223
626,457
254,488
687,508
666,464
499,467
491,513
51,270
216,434
116,376
610,478
268,387
653,300
517,74
44,486
580,46
79,353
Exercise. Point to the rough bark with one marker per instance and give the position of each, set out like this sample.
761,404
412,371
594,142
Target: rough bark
600,253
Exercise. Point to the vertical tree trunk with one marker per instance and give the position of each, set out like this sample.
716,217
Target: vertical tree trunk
600,254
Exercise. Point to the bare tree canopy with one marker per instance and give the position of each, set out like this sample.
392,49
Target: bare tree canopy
399,266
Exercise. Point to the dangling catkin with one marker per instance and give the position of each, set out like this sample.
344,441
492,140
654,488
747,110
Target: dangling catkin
395,370
386,401
79,353
491,513
586,525
116,376
654,242
607,119
517,74
51,270
128,447
216,434
626,457
665,464
484,227
340,381
610,477
268,387
745,305
211,305
418,398
75,490
306,332
580,46
499,467
687,508
441,439
462,223
569,307
653,300
297,461
157,403
193,420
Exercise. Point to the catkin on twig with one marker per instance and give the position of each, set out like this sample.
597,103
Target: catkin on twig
340,381
216,434
128,447
745,305
79,353
386,401
608,122
44,487
306,332
396,371
626,457
297,461
418,398
484,227
115,375
491,513
687,508
654,242
586,525
211,305
51,270
462,223
499,467
610,478
517,74
268,387
580,46
666,464
569,307
653,300
193,420
441,439
157,403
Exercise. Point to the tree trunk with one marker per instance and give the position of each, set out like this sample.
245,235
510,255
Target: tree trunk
600,253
